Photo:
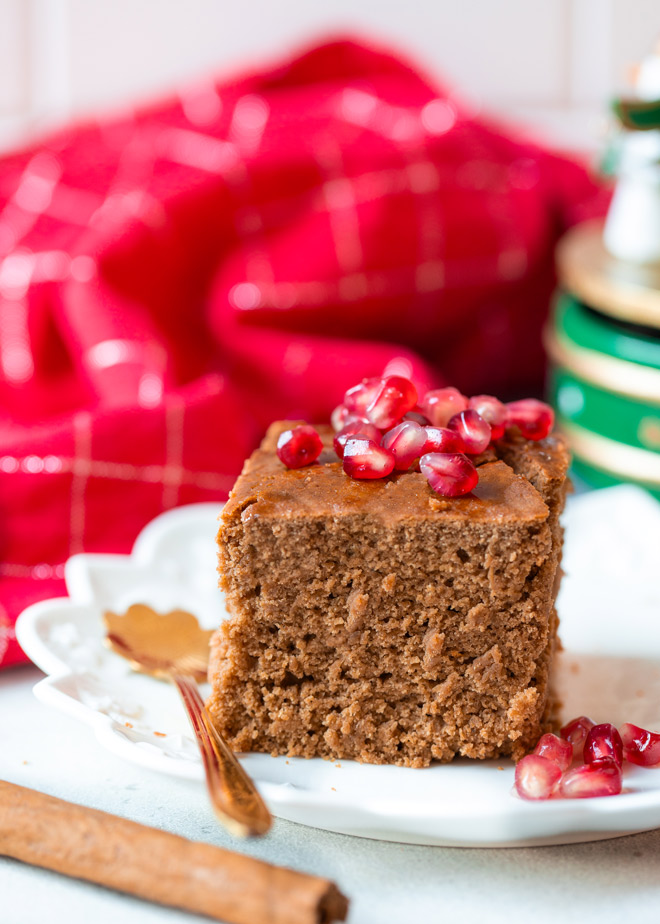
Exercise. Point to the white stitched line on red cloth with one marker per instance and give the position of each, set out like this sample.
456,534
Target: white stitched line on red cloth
17,272
80,468
127,196
385,284
201,102
116,471
122,207
15,351
366,187
22,268
249,223
344,224
107,353
174,415
31,198
7,632
339,198
297,359
42,571
423,183
432,276
73,206
252,221
398,123
195,149
248,122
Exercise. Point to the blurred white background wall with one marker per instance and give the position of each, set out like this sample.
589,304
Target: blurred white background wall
550,65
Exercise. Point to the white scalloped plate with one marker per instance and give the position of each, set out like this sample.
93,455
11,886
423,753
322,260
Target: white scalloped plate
609,606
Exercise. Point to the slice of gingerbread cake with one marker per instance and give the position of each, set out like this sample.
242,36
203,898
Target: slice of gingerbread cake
376,619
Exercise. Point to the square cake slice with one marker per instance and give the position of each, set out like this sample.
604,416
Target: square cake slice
378,621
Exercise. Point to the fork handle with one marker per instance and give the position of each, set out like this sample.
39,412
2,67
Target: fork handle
234,796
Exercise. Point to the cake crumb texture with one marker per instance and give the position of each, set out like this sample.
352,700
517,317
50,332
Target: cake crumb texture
378,622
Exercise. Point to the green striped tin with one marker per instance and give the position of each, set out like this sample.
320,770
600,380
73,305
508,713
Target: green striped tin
604,382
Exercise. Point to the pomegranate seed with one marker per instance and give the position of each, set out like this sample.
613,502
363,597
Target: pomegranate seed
339,416
640,746
441,439
533,418
395,397
575,732
364,458
406,442
442,403
473,430
536,777
449,474
492,411
358,398
356,426
603,744
417,416
298,447
590,780
558,750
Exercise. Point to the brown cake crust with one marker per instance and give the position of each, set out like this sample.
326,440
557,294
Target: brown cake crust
378,621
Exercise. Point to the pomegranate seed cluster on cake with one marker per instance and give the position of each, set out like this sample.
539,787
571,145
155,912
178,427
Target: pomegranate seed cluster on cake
390,581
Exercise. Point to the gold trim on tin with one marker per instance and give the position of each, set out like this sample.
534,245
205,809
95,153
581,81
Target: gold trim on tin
619,459
648,432
629,291
618,375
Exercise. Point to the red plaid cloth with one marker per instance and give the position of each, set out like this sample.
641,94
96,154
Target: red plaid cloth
173,280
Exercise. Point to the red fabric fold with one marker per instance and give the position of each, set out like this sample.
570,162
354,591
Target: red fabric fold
173,280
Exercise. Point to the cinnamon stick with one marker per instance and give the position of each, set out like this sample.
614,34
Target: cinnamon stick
158,866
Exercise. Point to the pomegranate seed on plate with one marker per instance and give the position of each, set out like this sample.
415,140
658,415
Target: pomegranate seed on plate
358,398
355,426
442,439
640,746
575,732
406,442
492,411
603,743
364,458
442,403
449,474
591,780
536,777
473,430
533,418
394,398
558,750
299,446
339,416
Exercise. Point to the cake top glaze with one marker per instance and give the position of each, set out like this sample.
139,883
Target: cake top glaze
267,488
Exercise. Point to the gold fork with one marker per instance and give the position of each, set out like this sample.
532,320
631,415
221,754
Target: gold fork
172,646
